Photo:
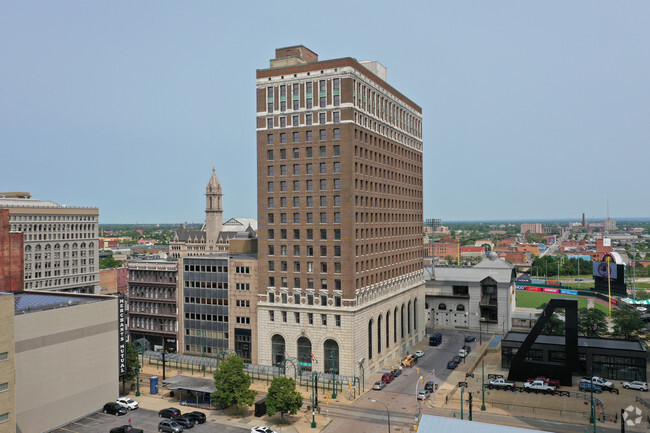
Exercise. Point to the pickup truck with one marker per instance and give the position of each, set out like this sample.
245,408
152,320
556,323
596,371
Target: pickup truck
409,361
603,383
500,384
546,380
538,386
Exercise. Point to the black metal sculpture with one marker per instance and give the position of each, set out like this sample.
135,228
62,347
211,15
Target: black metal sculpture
522,369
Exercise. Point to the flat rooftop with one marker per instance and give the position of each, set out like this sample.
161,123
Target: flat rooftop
558,340
30,302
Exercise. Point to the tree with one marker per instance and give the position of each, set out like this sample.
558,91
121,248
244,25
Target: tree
232,384
283,397
626,323
591,322
131,364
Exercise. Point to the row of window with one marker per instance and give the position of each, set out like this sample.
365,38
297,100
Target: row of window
310,267
336,218
310,234
207,284
310,299
309,202
206,301
207,333
307,95
282,121
310,318
204,268
308,153
242,286
207,317
309,185
53,218
309,250
284,283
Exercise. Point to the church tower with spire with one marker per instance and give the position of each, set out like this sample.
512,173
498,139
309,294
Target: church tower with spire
213,211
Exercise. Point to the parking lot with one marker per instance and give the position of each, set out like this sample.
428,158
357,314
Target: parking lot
144,419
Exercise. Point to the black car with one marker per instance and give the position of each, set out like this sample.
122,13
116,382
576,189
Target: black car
469,339
429,386
170,412
198,417
456,359
126,429
185,421
114,408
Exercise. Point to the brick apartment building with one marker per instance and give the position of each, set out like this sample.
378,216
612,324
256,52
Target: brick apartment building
339,157
12,262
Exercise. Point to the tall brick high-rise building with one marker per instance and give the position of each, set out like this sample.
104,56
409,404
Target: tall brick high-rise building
339,160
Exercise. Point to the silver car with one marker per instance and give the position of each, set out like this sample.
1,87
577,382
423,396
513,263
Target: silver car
170,426
637,384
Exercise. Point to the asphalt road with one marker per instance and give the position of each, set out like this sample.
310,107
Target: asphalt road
433,365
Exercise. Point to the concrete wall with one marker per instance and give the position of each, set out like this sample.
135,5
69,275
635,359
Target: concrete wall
66,364
7,372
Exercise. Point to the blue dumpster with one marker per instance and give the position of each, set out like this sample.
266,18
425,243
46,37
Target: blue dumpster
153,385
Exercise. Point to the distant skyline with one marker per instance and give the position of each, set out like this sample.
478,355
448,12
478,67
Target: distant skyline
532,110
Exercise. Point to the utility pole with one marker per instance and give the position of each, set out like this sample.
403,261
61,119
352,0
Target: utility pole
471,394
483,384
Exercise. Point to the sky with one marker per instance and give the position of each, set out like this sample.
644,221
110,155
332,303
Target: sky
531,110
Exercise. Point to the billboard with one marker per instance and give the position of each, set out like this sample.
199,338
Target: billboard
600,270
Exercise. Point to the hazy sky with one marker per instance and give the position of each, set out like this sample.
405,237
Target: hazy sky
531,109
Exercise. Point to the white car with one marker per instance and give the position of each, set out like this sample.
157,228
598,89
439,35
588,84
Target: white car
419,354
262,430
128,403
643,386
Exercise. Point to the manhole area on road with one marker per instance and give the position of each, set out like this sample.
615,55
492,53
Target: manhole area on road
397,429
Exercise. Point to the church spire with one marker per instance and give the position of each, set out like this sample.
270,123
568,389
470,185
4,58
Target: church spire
213,210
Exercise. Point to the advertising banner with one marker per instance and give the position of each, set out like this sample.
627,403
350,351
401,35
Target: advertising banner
533,289
546,290
568,292
121,331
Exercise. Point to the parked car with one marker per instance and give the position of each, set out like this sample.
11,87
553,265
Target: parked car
452,365
467,348
424,394
429,385
409,361
128,403
586,387
126,429
500,383
397,371
469,339
419,353
636,384
546,380
114,408
456,359
262,430
538,386
199,417
388,377
170,426
462,353
379,385
170,412
185,421
602,382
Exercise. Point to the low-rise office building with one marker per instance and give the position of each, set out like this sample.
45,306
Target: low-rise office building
605,357
479,297
66,357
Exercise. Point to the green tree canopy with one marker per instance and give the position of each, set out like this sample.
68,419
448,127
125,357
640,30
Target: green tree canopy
591,322
555,324
232,384
626,323
283,397
131,362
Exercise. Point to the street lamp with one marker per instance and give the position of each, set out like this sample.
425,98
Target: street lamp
333,373
387,411
483,383
480,329
314,378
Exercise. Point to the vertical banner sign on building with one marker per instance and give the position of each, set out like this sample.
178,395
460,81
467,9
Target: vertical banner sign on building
121,321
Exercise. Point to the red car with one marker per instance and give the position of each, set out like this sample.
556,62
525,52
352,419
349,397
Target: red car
388,377
554,382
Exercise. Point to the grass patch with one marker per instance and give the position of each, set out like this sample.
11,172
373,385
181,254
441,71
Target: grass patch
527,299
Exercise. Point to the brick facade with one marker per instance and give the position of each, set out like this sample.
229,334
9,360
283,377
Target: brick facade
12,258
